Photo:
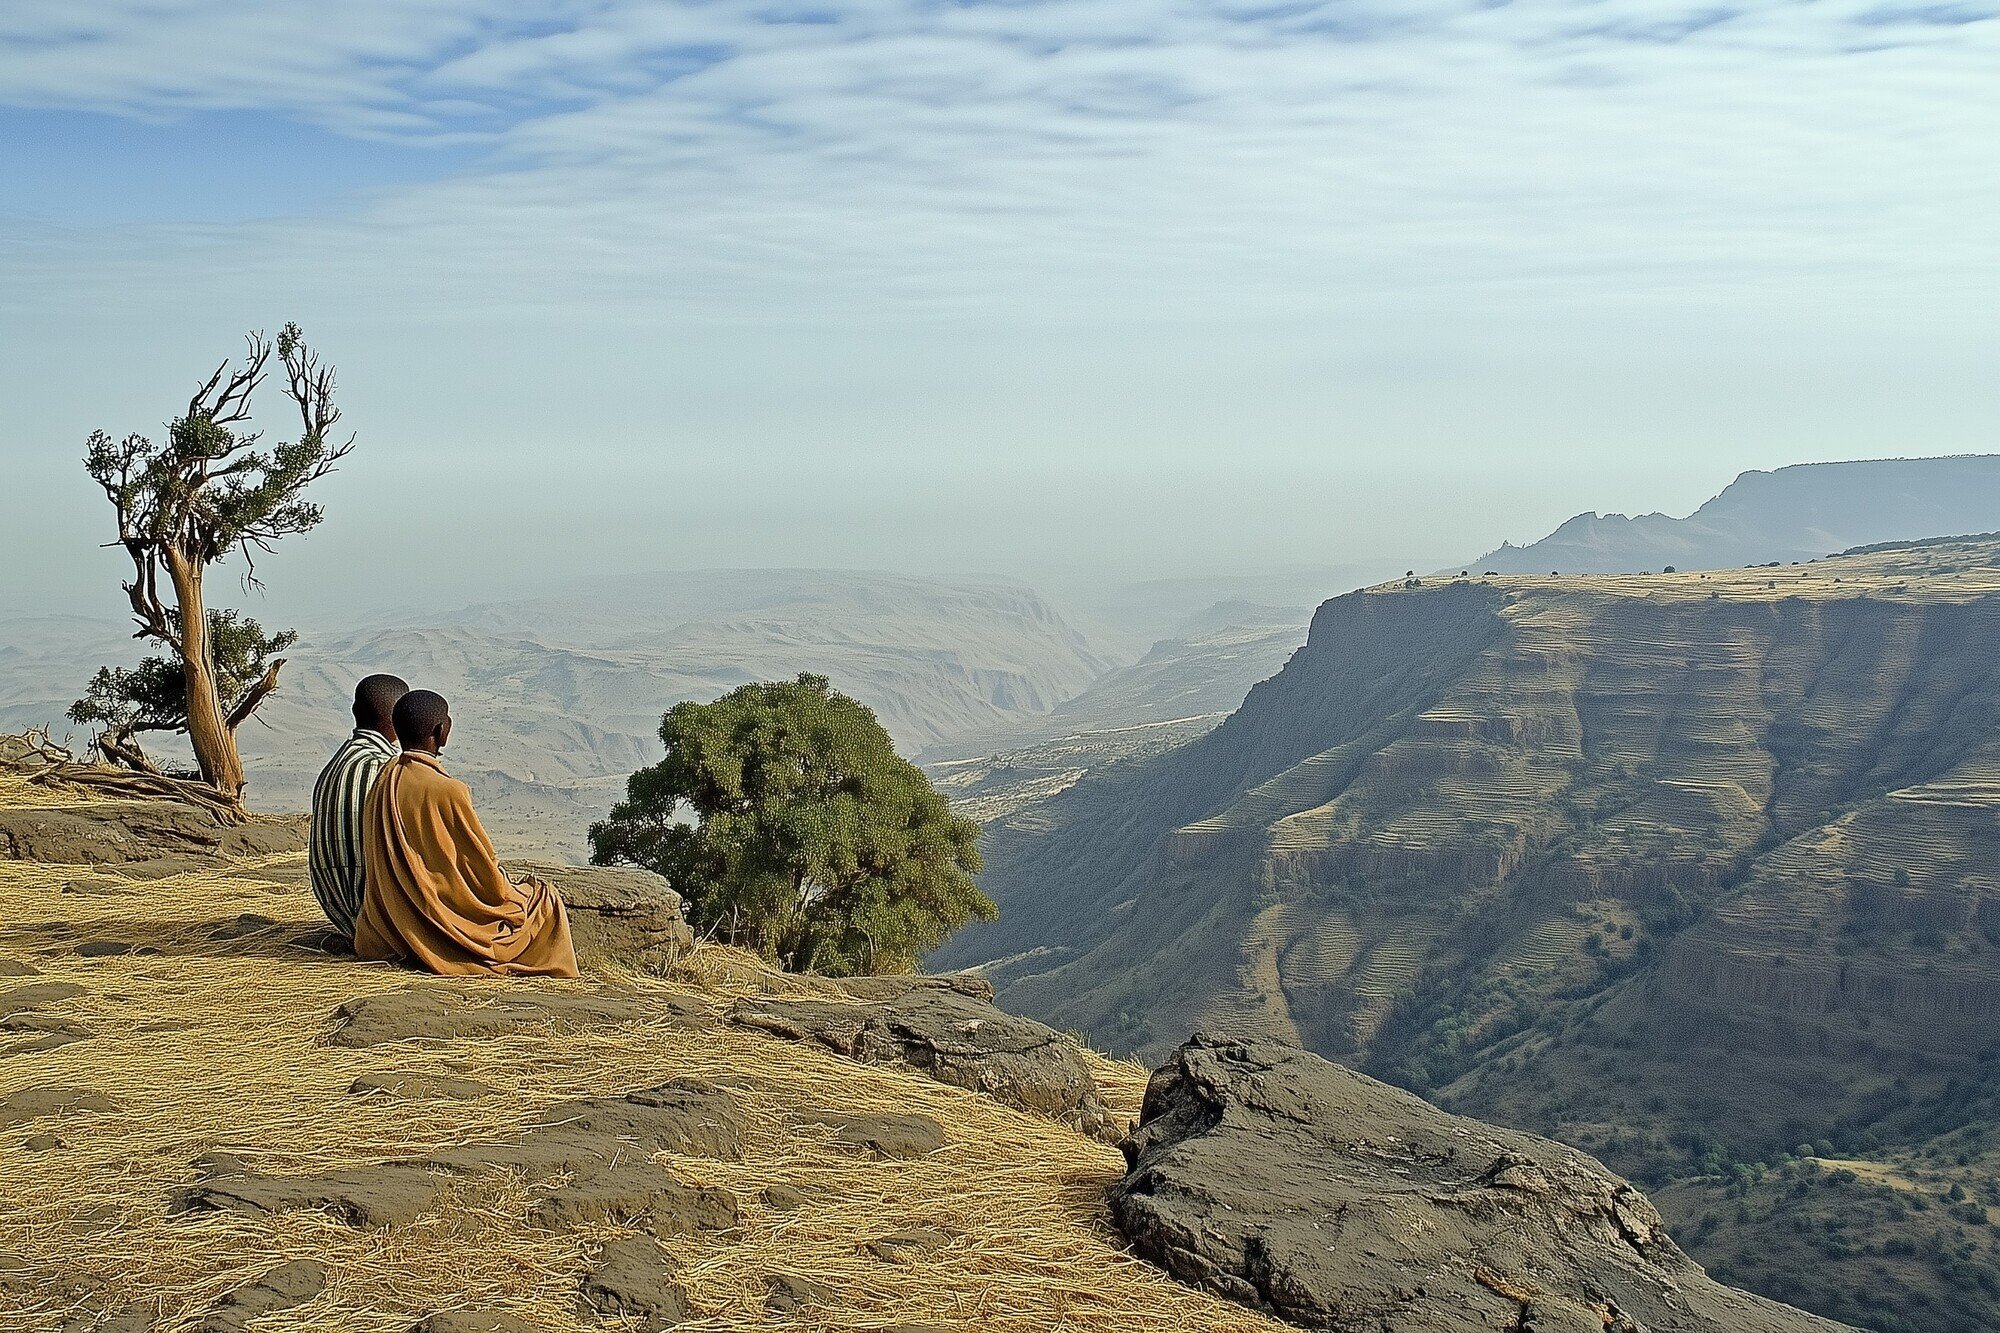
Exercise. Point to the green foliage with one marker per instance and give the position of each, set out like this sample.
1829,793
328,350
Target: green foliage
810,840
153,695
208,488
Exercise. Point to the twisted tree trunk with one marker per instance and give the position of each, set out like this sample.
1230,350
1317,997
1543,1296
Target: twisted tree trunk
208,730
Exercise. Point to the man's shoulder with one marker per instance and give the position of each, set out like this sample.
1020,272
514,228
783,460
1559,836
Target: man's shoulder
434,778
355,753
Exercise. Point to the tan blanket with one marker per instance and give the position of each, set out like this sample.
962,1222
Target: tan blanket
435,894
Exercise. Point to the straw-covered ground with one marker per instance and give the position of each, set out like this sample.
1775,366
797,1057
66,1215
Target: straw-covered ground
207,1019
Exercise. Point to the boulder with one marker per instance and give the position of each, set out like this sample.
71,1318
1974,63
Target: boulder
618,915
1302,1188
944,1028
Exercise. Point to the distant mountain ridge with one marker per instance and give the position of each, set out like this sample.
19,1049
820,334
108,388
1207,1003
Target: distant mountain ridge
1801,512
559,697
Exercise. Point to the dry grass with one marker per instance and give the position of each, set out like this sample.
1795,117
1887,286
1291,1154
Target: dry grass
209,1043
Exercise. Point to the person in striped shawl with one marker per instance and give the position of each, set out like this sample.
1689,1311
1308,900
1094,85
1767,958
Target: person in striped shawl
335,845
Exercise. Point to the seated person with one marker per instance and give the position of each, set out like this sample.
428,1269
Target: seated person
437,896
334,846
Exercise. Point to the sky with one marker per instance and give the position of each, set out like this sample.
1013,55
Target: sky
1051,289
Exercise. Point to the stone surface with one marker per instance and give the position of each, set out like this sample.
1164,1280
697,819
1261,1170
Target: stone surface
789,1293
598,1149
942,1027
474,1321
283,1288
129,832
635,1280
437,1011
419,1087
36,995
18,1108
1300,1187
888,1135
131,1319
681,1116
784,1199
380,1195
619,916
907,1245
635,1194
40,1032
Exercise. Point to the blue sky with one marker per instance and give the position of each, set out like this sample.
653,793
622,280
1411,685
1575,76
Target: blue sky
1127,286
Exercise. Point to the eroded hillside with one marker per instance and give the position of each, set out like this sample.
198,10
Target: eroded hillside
1688,868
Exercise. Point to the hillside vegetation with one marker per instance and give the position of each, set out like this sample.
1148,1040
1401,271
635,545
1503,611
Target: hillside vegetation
1689,869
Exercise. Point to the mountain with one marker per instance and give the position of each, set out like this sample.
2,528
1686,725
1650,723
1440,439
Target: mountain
1793,513
559,698
1692,870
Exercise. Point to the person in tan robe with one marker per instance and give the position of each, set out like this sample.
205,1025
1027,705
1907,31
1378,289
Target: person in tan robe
435,894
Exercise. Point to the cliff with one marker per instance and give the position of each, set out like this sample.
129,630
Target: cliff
1684,868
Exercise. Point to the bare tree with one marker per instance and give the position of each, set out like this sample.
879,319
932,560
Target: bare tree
209,490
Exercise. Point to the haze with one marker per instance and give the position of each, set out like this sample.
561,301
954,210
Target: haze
1062,291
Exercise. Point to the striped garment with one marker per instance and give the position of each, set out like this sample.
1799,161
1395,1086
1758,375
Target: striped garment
336,824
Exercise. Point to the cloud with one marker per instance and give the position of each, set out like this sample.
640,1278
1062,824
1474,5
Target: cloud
673,135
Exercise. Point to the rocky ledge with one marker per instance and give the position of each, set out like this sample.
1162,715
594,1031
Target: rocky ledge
947,1029
1300,1187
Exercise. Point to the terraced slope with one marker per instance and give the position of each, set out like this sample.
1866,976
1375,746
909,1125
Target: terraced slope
1666,865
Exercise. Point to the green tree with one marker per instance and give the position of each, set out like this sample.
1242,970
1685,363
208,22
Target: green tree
785,817
209,490
127,702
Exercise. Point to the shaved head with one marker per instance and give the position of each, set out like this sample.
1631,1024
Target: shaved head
421,715
375,701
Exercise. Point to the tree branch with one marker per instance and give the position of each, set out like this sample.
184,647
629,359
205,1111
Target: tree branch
231,403
256,695
124,751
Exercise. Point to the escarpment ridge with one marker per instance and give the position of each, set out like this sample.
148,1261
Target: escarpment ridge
1691,869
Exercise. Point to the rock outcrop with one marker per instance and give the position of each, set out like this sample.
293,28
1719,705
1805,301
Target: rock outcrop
946,1028
619,915
125,832
1300,1187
